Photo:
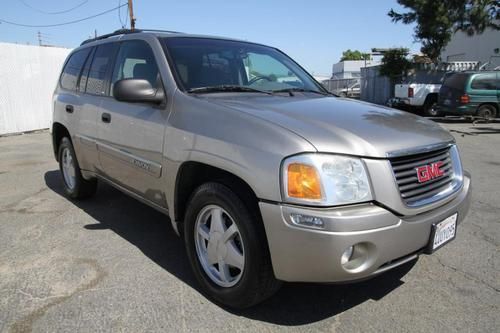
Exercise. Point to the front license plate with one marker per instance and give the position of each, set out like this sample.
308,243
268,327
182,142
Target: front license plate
442,233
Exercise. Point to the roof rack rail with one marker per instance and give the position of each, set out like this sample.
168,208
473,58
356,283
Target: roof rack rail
125,32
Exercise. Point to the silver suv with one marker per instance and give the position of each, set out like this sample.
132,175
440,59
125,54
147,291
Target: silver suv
265,175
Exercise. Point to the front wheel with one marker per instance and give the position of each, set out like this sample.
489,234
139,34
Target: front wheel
227,248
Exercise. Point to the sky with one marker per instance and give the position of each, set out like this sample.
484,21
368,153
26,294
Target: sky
313,32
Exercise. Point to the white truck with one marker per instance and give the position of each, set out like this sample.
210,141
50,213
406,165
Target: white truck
423,96
420,91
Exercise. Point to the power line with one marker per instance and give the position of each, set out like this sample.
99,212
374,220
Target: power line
120,14
53,13
64,23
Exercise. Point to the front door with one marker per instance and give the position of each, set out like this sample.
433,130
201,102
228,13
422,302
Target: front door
131,135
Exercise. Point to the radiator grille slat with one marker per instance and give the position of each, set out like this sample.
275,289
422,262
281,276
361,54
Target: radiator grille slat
405,173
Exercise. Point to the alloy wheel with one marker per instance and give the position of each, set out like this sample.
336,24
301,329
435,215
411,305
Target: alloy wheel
219,246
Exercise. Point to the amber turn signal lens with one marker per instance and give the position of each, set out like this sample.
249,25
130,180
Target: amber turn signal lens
303,182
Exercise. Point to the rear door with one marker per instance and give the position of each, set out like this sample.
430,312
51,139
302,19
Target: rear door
453,87
70,106
93,88
483,89
131,134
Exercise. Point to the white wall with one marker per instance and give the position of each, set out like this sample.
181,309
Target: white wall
28,76
473,48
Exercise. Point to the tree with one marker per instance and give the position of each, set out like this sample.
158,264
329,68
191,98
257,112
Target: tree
437,20
395,63
354,55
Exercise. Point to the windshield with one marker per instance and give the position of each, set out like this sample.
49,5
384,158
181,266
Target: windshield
204,63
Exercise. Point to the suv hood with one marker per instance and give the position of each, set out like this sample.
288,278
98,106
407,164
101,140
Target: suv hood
337,125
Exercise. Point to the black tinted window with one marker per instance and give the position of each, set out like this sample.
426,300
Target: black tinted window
69,77
484,82
96,82
456,81
85,72
135,60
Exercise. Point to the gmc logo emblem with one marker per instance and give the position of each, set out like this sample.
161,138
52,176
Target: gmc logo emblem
429,172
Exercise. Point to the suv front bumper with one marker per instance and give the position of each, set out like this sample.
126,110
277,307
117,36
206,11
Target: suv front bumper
383,239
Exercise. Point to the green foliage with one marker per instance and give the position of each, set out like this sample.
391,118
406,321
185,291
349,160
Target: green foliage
354,55
395,63
437,20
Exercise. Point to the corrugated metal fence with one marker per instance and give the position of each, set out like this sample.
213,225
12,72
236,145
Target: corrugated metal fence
28,76
374,87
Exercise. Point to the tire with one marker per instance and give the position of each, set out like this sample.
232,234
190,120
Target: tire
75,186
430,108
238,288
487,112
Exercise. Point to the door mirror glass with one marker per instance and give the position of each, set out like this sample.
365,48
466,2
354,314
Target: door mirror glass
137,91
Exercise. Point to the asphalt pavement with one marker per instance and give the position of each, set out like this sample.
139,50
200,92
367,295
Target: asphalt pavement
113,264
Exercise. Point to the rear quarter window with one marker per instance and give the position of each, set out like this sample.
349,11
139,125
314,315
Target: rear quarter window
73,68
456,81
484,82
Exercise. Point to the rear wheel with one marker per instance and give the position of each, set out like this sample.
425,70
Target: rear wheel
227,248
487,112
431,109
75,186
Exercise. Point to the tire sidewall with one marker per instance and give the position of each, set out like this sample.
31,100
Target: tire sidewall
492,109
204,196
431,110
66,143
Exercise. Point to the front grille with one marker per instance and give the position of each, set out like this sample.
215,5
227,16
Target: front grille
412,191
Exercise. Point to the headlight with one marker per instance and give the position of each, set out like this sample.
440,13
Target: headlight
326,180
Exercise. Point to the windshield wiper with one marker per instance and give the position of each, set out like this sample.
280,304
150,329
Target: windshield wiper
227,88
292,90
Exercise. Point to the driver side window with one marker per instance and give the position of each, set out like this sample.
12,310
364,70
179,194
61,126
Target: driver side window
262,69
136,60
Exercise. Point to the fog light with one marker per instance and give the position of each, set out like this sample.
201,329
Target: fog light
347,255
307,221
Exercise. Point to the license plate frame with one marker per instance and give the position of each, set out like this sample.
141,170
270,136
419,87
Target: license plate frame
437,240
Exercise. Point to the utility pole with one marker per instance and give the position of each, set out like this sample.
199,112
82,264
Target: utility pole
131,13
39,34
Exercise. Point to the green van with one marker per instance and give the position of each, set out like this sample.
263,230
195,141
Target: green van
470,93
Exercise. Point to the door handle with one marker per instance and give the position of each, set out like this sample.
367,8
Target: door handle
69,108
106,117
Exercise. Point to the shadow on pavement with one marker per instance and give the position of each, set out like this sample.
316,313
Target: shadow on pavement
151,232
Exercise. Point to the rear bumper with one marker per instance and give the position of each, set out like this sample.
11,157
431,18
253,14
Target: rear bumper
384,239
458,110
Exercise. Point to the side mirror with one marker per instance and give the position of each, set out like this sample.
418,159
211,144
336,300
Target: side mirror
137,91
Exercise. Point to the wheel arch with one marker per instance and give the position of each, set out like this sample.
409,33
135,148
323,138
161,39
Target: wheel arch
431,97
193,174
59,131
494,105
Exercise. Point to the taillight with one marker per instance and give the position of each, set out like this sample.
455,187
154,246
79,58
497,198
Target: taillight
464,99
410,92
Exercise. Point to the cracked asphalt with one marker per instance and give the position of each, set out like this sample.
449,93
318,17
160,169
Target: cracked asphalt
113,264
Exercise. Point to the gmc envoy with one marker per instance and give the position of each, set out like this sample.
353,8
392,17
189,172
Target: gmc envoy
265,175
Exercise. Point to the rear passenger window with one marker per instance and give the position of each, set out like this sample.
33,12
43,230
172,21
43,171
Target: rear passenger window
85,72
136,60
96,81
69,76
484,82
456,81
